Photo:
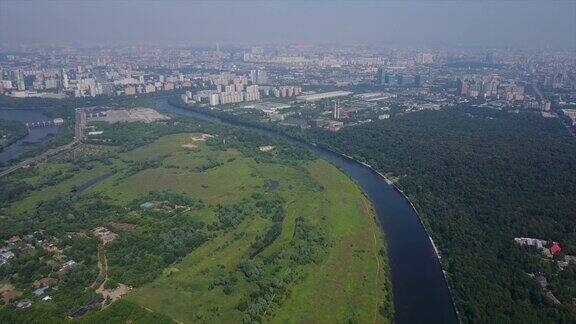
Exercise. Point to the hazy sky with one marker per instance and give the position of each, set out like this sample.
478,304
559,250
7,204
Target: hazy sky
468,23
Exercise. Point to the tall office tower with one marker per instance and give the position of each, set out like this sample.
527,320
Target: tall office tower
64,80
417,80
462,88
19,78
383,78
261,77
400,79
336,110
254,76
380,75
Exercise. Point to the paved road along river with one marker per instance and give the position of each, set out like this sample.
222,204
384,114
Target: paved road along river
421,294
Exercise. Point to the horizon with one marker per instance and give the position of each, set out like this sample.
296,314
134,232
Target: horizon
532,24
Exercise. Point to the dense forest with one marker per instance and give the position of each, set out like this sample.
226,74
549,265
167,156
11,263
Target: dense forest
67,106
480,178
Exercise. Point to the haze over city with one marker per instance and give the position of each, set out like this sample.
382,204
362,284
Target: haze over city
423,23
287,161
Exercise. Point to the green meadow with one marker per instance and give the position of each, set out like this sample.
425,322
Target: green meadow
235,234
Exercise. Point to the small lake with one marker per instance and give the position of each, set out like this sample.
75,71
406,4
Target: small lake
34,135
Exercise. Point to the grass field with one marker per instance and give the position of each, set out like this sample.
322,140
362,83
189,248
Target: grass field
325,263
349,284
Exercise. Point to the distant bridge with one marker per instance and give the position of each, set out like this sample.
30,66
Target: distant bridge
79,126
42,123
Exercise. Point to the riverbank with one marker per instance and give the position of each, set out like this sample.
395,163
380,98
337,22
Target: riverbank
11,132
29,145
456,166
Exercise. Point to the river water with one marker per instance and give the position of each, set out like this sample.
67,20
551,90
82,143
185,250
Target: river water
34,135
421,294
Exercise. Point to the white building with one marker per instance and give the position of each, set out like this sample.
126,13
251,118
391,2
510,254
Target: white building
323,95
214,99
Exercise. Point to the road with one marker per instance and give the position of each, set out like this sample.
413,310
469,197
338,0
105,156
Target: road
79,126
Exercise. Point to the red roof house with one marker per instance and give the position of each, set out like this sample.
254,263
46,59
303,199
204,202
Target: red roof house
555,248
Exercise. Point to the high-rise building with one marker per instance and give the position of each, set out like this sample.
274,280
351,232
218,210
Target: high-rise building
425,58
462,88
184,98
19,78
417,80
336,110
64,80
214,99
384,78
258,77
400,79
380,76
262,77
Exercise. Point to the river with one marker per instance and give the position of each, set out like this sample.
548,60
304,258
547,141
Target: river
421,294
34,135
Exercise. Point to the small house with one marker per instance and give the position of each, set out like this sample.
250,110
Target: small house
555,248
69,265
40,291
43,282
24,304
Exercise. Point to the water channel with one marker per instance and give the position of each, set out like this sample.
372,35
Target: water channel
34,135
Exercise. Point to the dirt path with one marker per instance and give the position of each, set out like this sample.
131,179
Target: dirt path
102,268
108,294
